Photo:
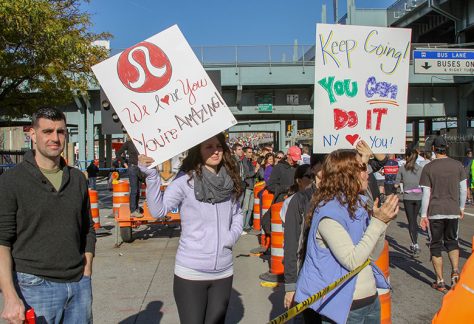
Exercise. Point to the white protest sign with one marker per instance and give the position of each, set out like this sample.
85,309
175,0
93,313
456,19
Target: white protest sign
361,85
163,96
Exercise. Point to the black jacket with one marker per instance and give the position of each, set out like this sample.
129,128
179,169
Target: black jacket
131,150
373,186
295,215
48,231
92,170
281,179
249,173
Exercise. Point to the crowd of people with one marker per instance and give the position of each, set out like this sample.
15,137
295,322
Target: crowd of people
335,215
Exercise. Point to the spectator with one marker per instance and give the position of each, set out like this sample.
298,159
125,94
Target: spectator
92,172
467,163
47,238
303,179
283,173
279,156
305,157
250,173
341,237
266,149
267,167
443,181
390,171
281,179
238,155
408,179
294,215
211,222
133,174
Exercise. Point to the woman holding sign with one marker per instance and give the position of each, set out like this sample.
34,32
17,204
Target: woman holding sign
342,237
206,191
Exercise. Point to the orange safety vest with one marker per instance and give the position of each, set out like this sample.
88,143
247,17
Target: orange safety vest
457,306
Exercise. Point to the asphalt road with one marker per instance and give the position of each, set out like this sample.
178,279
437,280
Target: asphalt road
132,283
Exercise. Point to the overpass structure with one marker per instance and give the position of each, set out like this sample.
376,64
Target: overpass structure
270,88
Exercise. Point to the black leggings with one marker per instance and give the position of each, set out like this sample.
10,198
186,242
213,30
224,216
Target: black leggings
412,208
202,301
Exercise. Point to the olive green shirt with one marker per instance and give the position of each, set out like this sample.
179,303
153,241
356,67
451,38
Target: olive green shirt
54,176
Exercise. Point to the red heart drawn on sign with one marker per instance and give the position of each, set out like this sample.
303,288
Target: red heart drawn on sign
352,138
165,99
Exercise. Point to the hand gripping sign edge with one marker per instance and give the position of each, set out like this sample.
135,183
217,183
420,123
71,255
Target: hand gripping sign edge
144,68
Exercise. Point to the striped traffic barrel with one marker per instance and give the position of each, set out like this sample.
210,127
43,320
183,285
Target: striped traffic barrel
267,199
383,262
120,195
277,238
94,201
256,205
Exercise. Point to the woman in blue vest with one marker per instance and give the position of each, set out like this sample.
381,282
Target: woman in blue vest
342,237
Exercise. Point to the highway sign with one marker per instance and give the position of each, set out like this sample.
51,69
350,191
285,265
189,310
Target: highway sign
265,108
444,61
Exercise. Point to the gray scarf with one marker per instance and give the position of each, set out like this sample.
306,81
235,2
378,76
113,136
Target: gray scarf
213,188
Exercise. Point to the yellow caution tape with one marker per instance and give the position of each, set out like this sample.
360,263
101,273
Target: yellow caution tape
297,309
268,284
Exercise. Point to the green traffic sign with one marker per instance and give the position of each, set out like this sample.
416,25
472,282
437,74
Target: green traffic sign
265,108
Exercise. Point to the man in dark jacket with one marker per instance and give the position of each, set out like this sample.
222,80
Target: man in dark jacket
238,155
133,174
281,179
47,238
250,173
92,172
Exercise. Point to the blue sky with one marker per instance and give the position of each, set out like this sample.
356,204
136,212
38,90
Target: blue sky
216,22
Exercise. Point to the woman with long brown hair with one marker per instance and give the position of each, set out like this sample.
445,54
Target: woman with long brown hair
211,221
342,237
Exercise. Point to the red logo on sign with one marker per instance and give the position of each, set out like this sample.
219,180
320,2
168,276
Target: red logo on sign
144,68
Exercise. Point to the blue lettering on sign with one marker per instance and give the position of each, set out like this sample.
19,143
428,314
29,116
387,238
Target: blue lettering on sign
329,140
448,55
383,89
376,142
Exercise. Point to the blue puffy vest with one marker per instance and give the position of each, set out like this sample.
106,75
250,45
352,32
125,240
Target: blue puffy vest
321,268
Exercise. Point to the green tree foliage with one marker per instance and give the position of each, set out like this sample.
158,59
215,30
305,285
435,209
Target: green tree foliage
46,53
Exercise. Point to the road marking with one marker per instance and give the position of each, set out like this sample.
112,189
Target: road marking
468,214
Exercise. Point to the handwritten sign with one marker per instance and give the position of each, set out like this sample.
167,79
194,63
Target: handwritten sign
163,96
361,85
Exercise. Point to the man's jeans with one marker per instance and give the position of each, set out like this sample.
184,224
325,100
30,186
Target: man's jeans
93,183
133,173
56,302
247,208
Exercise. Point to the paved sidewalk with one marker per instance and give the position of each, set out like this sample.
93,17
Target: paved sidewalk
133,283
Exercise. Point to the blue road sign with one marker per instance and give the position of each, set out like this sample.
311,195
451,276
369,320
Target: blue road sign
444,61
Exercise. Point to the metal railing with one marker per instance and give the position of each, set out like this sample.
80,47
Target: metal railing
401,8
273,55
238,55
